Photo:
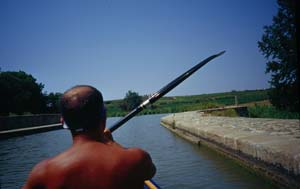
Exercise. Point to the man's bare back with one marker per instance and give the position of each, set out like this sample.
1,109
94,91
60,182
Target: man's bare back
94,161
91,164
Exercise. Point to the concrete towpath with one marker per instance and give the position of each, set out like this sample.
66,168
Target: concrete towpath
271,147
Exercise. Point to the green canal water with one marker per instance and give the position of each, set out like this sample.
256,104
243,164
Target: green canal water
179,163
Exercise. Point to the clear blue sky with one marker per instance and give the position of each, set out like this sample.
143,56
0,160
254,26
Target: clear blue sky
139,45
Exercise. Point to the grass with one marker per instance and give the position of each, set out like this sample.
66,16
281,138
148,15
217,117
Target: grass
269,111
225,113
190,103
257,102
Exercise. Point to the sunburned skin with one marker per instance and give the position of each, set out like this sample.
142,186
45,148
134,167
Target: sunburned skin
94,161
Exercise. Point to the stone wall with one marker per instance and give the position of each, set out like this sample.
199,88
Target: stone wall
270,146
17,122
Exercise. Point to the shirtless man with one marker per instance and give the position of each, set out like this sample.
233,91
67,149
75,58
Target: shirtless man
95,160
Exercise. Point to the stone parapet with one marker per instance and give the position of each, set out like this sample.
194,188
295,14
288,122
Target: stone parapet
270,146
18,122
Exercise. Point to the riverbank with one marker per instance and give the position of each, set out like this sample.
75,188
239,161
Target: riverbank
270,147
194,102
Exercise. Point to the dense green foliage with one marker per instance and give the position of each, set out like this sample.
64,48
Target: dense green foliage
20,93
189,103
225,113
131,100
52,103
271,112
279,46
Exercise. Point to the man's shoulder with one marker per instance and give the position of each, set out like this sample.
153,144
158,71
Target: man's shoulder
141,162
137,154
41,167
37,175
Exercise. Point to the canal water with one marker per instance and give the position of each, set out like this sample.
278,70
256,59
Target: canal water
180,164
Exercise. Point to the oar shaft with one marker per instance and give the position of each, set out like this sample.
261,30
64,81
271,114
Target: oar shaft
163,91
150,184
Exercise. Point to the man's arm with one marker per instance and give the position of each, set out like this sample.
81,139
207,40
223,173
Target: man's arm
145,169
148,166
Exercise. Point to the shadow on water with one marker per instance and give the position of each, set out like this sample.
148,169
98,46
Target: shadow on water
179,163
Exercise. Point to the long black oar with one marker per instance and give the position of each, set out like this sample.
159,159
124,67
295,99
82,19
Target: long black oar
162,92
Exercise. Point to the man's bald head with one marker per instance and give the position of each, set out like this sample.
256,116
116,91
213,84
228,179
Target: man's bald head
81,107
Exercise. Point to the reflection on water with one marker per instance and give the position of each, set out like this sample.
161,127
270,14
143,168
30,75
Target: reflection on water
179,163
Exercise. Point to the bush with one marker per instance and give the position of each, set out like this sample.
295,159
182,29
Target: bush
225,113
271,112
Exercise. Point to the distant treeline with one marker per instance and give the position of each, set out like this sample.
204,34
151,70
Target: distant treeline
257,102
194,102
21,94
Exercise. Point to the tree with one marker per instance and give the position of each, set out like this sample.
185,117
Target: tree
52,102
20,93
131,100
279,46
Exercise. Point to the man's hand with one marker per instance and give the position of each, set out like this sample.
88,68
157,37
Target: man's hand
108,138
107,135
